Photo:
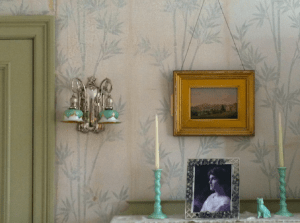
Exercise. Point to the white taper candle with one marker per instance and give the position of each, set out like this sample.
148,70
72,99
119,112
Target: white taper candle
156,144
281,158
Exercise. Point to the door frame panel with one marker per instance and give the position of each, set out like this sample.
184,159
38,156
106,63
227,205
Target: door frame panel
41,30
5,154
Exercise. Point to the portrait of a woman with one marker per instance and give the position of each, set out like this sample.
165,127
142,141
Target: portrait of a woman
218,183
214,192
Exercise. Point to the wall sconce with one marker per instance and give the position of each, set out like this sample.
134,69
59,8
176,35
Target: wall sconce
91,107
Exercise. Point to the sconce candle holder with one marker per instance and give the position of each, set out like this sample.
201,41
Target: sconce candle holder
91,106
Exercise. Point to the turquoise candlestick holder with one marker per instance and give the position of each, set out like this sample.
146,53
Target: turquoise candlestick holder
157,214
283,211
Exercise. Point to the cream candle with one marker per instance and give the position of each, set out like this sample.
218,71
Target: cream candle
156,144
280,146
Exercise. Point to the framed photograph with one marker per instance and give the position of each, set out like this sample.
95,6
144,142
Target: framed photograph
212,189
214,103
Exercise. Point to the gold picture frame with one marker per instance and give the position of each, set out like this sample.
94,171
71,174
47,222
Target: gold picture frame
220,102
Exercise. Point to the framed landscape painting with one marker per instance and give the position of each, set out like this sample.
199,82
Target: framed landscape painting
214,102
212,189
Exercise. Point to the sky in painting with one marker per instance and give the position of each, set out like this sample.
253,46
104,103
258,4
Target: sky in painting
213,96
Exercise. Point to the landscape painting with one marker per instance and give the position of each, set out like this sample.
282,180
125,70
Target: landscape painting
214,103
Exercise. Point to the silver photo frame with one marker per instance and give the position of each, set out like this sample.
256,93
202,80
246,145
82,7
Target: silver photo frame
212,189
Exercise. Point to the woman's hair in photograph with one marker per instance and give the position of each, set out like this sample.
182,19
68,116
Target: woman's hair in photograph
224,177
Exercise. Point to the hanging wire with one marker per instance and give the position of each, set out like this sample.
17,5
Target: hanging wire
192,35
227,27
231,35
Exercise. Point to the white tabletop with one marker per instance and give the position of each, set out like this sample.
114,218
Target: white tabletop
246,217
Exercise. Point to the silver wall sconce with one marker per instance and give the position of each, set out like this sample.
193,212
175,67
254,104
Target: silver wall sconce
91,106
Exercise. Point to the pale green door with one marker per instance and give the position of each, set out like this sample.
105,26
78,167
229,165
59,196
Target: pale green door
16,129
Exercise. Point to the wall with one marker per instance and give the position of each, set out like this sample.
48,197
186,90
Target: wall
137,44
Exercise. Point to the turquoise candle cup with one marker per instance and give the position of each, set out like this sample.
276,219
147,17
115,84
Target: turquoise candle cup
283,211
157,214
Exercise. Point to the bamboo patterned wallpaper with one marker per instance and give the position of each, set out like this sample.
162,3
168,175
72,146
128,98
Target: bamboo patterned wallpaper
137,44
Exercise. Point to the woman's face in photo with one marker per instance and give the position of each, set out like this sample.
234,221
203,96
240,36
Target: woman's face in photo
213,183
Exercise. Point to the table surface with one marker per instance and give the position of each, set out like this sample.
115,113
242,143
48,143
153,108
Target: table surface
246,217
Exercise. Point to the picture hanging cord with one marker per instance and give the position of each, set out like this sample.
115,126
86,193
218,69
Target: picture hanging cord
227,27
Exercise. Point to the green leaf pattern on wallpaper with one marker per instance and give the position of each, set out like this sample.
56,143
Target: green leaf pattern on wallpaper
83,197
278,96
21,7
206,31
20,10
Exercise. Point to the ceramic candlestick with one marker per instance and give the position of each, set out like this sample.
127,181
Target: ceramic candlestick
157,214
283,206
